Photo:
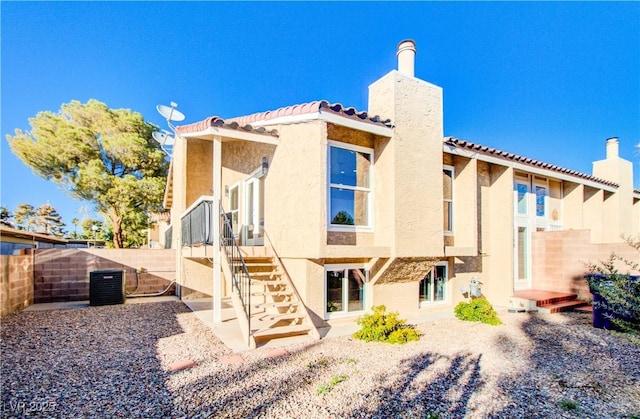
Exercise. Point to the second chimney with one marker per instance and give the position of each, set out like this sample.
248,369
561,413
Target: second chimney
612,148
406,57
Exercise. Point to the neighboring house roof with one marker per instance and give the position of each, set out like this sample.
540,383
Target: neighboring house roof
323,106
8,232
505,155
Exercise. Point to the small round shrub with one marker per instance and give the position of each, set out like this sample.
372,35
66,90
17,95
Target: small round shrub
477,310
384,327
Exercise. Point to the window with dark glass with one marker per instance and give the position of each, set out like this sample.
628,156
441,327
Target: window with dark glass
447,187
433,286
345,290
349,180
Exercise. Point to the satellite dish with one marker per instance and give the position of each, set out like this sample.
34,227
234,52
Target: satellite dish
170,113
162,137
169,140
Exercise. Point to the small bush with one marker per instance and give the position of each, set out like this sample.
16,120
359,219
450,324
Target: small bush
619,291
568,404
384,327
477,310
335,380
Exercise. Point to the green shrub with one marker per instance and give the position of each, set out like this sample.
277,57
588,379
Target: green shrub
620,291
568,404
384,327
335,380
477,310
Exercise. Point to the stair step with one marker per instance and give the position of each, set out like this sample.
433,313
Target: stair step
587,308
556,300
272,304
282,293
561,306
278,317
282,330
267,282
264,274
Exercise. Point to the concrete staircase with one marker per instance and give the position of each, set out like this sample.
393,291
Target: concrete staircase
276,310
547,301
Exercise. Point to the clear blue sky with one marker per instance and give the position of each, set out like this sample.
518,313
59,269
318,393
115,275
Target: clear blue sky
547,80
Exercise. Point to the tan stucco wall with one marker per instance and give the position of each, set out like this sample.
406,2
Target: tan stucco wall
592,215
465,206
617,211
497,233
197,278
410,159
295,191
636,217
572,204
199,169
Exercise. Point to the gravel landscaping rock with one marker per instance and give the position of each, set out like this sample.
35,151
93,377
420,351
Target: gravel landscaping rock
119,361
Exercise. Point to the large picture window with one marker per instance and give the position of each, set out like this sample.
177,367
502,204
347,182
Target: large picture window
433,287
344,289
349,186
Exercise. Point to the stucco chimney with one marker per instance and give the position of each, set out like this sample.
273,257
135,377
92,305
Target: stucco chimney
406,57
612,148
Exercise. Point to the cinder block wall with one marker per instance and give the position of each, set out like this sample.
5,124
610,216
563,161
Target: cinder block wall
16,283
559,259
63,274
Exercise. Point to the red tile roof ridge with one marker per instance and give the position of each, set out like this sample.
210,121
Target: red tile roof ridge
216,121
456,142
312,107
246,121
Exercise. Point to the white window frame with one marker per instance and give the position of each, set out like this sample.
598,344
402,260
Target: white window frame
541,220
369,190
237,187
446,299
451,215
345,293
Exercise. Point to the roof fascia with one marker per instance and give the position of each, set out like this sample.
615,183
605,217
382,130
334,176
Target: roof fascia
528,169
231,133
331,118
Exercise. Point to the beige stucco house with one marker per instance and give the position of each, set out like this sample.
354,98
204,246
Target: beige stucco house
309,215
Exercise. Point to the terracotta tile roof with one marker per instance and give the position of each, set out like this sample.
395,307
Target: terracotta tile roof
504,155
215,121
313,107
244,122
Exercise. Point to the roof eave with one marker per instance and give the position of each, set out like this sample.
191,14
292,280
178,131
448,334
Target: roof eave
527,168
332,118
233,134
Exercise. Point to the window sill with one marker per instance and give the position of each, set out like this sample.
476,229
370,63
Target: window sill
350,229
343,315
427,304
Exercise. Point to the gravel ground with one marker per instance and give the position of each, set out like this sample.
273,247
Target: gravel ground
114,361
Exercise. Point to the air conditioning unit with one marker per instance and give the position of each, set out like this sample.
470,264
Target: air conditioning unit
106,287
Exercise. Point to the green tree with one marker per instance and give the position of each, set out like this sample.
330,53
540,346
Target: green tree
75,221
94,229
106,156
343,217
48,221
25,216
5,216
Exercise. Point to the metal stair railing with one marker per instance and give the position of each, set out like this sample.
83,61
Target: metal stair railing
240,277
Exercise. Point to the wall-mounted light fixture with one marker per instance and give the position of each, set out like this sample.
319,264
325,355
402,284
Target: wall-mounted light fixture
265,166
226,190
